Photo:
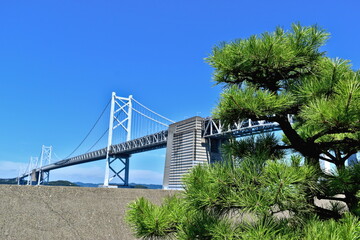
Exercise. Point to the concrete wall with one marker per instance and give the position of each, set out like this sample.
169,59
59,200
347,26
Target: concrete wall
44,212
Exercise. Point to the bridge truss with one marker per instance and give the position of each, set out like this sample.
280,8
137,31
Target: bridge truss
215,129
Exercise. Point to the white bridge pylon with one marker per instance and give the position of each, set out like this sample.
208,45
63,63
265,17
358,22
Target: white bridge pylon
45,159
34,170
121,115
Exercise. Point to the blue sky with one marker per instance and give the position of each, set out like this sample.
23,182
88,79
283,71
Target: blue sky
60,61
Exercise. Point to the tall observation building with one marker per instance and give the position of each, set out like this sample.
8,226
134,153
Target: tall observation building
186,147
197,141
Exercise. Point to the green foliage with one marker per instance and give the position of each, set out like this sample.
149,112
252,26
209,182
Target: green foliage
8,181
225,202
332,100
151,221
140,186
202,225
241,103
276,56
275,74
267,229
232,184
344,180
255,193
253,199
272,75
348,228
262,146
220,188
61,183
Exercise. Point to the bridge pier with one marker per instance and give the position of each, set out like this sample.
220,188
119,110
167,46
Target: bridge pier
214,148
119,166
45,177
34,177
39,177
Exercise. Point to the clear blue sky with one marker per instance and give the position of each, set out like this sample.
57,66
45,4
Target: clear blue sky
60,61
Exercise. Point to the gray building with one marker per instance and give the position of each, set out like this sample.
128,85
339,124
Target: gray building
186,147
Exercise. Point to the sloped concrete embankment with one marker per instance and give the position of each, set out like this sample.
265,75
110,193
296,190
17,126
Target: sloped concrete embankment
33,212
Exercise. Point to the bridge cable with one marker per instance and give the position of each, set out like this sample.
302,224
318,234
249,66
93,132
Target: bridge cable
87,135
97,141
153,111
150,117
57,156
39,159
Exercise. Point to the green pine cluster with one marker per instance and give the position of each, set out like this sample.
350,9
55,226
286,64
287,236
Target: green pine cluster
258,191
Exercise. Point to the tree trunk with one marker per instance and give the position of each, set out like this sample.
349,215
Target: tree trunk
309,150
351,201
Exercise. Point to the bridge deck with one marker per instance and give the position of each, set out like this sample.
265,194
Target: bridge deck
212,128
149,142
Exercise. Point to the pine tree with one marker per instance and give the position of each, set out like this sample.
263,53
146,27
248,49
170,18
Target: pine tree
257,192
274,75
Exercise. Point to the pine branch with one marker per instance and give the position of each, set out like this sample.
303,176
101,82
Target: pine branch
284,147
348,155
320,197
330,131
307,149
326,213
326,159
348,141
332,158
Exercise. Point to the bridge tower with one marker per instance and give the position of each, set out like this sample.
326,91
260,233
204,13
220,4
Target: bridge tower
120,116
45,159
32,165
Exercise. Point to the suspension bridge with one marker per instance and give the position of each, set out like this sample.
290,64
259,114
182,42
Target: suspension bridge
135,128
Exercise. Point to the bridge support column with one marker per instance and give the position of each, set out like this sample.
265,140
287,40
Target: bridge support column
214,149
119,166
34,177
39,177
45,176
